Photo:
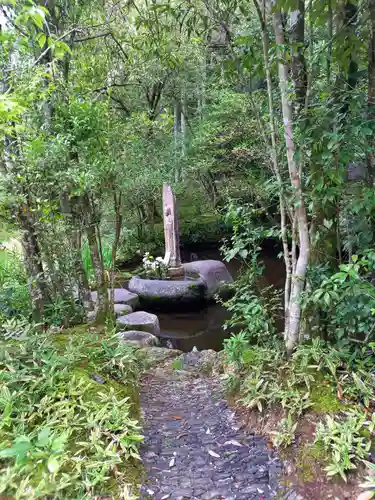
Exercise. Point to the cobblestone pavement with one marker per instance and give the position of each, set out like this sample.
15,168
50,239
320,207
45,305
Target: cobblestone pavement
193,446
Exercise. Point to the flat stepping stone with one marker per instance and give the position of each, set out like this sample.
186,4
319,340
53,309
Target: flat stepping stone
138,339
119,310
122,309
140,320
121,296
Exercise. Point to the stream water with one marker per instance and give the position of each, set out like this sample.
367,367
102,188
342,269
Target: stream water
204,328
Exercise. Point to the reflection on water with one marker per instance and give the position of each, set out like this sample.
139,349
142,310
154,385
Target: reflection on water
204,329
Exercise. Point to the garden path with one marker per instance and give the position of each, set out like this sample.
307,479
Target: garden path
194,446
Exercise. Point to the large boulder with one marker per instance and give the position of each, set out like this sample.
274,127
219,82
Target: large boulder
138,339
168,293
140,320
213,273
121,296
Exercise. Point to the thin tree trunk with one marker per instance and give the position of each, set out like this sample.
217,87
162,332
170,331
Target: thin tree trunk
275,163
299,276
102,305
84,294
34,266
117,201
177,135
297,39
330,40
371,89
183,124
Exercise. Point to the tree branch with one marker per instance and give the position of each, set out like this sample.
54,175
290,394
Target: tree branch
54,42
100,35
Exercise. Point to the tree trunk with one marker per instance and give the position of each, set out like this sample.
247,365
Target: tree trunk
275,164
371,89
299,276
330,40
297,39
92,230
177,136
184,119
84,294
34,266
117,201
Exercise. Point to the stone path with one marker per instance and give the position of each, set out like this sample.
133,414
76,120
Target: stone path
193,446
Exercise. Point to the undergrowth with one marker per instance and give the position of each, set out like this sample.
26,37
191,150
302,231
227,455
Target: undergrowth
332,384
69,425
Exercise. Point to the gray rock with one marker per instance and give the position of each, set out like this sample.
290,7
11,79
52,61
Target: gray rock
138,339
91,315
122,309
213,273
202,361
156,355
164,292
121,296
140,320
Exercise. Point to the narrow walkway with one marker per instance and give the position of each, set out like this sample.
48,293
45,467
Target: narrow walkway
193,446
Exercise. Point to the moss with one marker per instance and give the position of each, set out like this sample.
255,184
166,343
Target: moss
177,364
324,398
122,390
307,455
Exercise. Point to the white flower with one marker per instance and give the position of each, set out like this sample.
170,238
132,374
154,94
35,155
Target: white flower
160,259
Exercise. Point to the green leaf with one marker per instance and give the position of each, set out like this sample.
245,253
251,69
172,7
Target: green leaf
243,253
327,299
41,39
53,464
43,437
59,442
19,449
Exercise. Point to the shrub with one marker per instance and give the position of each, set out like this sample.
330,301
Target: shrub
14,291
285,434
343,439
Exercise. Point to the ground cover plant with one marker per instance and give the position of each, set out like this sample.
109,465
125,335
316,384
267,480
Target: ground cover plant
69,416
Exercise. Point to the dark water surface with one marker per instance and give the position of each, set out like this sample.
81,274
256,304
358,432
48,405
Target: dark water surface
204,329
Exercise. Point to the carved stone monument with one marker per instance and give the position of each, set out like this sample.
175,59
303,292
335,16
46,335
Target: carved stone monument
172,256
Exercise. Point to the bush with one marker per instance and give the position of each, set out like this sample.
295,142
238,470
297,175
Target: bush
343,439
345,302
69,426
14,291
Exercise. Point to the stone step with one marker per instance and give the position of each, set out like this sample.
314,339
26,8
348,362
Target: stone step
141,321
138,339
121,296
